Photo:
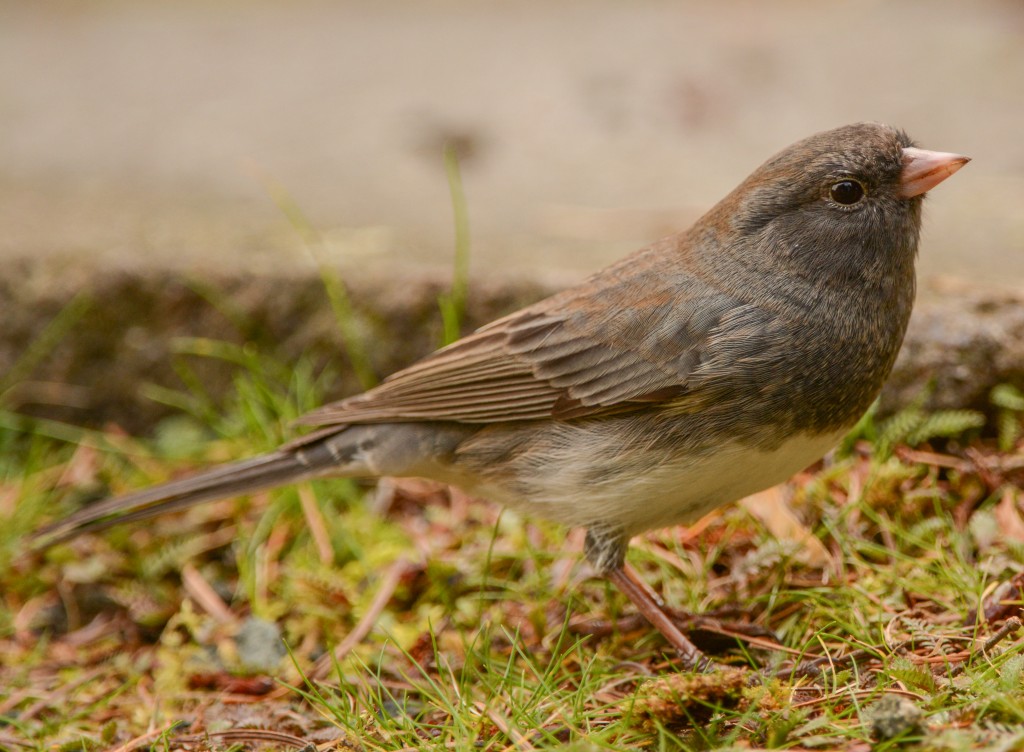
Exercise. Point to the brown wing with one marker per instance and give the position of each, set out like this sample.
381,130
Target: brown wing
626,337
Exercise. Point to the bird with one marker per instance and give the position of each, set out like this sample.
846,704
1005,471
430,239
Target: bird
710,365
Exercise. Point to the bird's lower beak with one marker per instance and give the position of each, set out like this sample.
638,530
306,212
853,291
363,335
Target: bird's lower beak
923,170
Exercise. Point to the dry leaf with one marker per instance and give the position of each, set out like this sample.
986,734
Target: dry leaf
772,509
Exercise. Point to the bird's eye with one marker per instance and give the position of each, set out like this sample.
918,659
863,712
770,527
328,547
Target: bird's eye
846,192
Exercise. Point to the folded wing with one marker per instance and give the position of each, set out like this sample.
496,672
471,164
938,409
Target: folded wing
618,342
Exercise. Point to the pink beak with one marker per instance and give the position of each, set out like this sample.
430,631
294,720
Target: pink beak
923,170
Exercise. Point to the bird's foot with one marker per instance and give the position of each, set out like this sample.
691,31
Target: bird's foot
626,580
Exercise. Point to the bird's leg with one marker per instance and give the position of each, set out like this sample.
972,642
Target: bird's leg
606,551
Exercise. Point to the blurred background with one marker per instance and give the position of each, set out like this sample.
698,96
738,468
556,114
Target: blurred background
138,135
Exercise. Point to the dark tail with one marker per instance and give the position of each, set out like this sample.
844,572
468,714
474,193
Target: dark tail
266,471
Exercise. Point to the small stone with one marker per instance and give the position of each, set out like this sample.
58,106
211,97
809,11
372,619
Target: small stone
893,716
260,648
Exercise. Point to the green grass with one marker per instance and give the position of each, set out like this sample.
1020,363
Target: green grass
485,629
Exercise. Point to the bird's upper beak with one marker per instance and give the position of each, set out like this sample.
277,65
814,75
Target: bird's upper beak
923,170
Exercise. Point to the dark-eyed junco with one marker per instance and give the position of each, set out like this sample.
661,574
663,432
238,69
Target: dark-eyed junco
706,367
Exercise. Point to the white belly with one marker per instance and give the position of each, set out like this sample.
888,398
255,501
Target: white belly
675,490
